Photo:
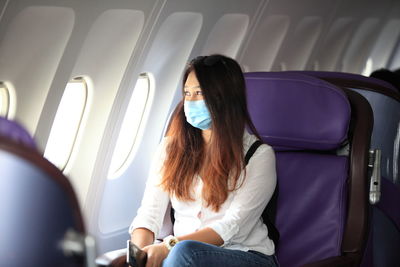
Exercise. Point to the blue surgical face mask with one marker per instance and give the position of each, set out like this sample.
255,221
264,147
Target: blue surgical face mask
197,114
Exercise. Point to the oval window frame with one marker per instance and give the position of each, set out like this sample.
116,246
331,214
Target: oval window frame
4,100
124,149
54,137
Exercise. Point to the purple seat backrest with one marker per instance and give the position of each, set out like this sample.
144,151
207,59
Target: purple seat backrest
354,81
348,76
14,131
37,202
305,119
297,111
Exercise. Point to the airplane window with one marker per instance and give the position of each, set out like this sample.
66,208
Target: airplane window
66,123
4,100
385,45
368,67
33,42
395,61
123,151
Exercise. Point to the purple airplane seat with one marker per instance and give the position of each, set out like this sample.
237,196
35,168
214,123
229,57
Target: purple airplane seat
41,222
352,80
321,136
13,131
385,102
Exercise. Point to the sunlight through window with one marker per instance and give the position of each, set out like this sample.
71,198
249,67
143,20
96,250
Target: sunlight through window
368,67
4,100
130,126
66,123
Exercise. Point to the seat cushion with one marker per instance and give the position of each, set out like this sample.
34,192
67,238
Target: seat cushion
311,207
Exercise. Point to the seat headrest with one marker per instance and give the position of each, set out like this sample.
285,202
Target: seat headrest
13,131
296,112
348,76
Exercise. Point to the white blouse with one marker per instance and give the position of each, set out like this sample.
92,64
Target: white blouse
238,221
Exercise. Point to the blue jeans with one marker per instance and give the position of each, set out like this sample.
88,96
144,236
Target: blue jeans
198,254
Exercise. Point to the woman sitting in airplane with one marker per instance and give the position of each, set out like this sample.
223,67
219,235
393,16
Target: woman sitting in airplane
200,168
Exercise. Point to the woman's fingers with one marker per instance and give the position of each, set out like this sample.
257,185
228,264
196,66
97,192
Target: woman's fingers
155,255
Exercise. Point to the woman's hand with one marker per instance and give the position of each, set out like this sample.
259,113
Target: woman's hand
156,254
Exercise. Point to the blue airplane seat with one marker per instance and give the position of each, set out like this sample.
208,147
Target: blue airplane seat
41,223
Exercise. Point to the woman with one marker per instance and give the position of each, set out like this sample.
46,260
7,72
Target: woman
200,169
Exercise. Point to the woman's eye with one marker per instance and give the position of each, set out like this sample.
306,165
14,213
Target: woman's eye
187,93
199,93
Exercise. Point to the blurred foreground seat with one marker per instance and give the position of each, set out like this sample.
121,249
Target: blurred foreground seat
40,219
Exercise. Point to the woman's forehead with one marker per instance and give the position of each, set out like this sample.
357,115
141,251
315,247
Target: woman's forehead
192,81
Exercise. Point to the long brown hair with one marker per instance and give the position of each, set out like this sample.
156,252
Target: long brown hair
224,91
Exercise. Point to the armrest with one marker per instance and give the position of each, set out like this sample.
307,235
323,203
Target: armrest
108,257
120,262
118,258
339,261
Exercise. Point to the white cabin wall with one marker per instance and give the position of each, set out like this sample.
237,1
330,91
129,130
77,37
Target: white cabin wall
308,22
165,57
3,5
103,60
385,44
337,35
32,45
102,40
393,62
277,41
368,19
104,47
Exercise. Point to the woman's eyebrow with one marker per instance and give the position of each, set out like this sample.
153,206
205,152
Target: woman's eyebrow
197,86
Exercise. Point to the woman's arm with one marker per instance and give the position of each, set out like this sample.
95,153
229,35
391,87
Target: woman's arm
205,235
156,253
148,221
142,237
246,208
